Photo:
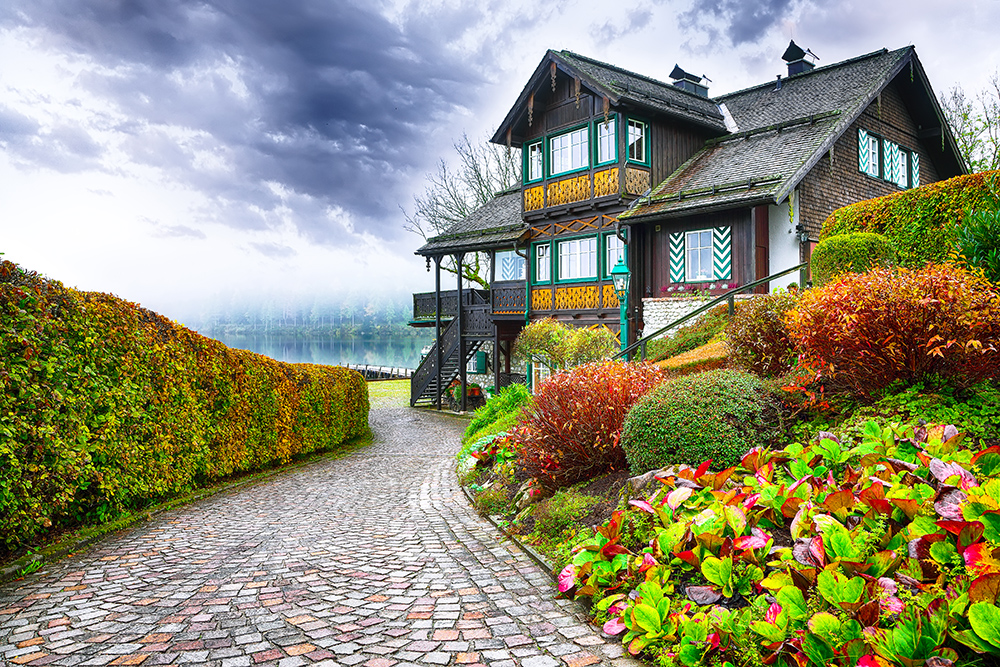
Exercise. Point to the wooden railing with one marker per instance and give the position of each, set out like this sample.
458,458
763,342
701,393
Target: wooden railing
424,303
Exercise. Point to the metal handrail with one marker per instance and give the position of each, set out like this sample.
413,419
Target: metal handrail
728,296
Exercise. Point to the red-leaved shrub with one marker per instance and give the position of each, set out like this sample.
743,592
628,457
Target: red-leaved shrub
866,331
758,336
571,431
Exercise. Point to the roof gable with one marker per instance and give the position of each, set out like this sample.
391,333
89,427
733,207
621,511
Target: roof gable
784,131
618,85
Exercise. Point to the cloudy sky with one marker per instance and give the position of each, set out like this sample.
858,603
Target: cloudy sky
172,151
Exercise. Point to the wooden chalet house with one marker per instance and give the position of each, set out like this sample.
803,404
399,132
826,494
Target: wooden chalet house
700,194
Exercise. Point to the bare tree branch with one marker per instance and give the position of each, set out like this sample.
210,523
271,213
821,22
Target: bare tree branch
483,171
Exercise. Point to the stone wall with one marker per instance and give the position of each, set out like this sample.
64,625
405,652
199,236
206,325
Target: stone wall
658,313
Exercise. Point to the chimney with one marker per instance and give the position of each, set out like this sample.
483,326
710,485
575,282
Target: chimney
689,82
796,59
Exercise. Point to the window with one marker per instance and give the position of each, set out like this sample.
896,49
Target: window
533,162
701,255
607,144
614,249
510,266
569,151
868,154
881,158
698,249
636,141
578,259
543,263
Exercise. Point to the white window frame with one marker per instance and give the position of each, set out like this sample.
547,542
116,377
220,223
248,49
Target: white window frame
613,249
695,249
878,162
637,136
569,151
577,258
607,141
535,162
543,263
518,261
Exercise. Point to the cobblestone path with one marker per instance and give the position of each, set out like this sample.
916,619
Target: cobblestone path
372,559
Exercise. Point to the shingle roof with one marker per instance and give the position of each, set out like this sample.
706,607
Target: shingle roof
781,134
645,91
495,224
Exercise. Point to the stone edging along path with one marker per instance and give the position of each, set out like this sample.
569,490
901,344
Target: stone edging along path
374,558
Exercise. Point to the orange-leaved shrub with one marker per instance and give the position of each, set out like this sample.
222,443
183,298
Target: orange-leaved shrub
106,407
758,337
571,431
866,331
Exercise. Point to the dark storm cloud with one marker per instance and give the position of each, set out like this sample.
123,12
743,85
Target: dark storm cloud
328,99
741,21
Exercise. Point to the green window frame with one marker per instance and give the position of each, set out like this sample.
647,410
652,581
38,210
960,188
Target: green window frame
534,162
576,259
606,141
637,141
612,248
541,258
888,161
569,151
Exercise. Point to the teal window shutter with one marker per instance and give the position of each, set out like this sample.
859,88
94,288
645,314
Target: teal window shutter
722,250
677,257
915,169
864,155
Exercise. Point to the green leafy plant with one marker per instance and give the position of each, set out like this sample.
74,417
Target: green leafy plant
978,243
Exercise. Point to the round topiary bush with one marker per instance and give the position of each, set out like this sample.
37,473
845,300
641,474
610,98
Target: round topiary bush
718,415
855,252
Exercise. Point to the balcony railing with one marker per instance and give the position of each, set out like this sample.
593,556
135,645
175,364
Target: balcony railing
601,182
506,298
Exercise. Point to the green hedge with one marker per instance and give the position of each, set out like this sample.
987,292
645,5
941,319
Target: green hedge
107,407
921,223
855,251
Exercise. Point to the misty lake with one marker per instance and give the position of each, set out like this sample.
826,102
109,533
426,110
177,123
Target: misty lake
391,351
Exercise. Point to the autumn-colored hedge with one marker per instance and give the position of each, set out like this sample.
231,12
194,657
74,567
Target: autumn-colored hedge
864,332
922,223
106,407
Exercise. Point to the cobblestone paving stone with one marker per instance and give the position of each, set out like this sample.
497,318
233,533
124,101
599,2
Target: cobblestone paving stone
373,559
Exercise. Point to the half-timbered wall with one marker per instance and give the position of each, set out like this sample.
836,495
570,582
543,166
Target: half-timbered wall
837,181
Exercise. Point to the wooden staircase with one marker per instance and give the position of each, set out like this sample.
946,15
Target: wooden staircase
424,386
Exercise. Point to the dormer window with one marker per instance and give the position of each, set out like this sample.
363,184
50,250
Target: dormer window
637,139
533,162
569,151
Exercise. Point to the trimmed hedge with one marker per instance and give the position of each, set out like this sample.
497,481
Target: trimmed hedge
921,223
107,407
855,252
718,415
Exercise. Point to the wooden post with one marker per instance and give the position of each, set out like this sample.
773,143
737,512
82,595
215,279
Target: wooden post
459,257
437,323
